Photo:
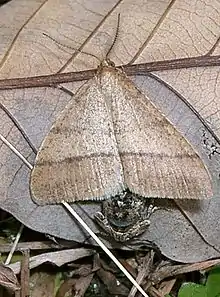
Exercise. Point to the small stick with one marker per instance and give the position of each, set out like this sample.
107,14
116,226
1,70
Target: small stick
14,150
136,69
25,273
105,249
91,233
14,246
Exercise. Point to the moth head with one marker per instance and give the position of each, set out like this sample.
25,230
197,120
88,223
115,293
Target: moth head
107,63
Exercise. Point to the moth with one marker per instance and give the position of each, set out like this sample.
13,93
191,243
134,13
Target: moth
111,143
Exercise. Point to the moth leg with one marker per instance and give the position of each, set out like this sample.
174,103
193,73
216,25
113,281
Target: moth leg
137,229
103,222
150,210
134,231
141,226
125,217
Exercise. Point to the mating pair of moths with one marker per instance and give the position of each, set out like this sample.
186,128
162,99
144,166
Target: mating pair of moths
111,143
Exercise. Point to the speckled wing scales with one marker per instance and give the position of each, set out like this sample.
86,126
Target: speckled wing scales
78,159
111,137
157,160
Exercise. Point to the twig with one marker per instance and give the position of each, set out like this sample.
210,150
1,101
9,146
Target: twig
136,69
166,286
13,248
14,150
70,209
105,249
25,273
17,293
154,292
32,245
143,272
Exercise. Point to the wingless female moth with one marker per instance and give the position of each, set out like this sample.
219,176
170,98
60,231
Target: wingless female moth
111,143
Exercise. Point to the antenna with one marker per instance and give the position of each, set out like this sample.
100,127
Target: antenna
116,36
80,51
69,47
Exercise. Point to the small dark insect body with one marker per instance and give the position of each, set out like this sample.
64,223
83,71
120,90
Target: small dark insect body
125,216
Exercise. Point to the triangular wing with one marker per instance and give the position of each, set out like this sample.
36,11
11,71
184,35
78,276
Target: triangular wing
78,159
110,137
157,160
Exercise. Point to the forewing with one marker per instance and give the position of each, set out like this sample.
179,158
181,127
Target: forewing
78,159
157,160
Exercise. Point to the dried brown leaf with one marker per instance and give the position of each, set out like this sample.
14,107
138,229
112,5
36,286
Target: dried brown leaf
57,258
149,31
8,278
